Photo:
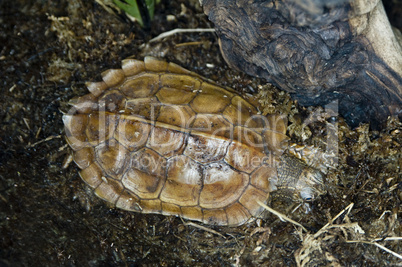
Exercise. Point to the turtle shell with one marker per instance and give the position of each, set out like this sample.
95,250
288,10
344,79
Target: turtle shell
153,137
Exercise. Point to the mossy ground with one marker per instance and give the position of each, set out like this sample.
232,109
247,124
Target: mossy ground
48,216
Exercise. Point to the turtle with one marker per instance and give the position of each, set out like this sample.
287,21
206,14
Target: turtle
153,137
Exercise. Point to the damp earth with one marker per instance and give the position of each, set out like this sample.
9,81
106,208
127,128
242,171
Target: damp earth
49,217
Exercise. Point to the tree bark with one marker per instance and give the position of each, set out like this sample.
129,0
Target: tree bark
318,51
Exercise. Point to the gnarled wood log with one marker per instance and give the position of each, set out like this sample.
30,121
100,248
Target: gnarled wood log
319,51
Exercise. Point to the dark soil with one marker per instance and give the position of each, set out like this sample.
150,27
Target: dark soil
49,217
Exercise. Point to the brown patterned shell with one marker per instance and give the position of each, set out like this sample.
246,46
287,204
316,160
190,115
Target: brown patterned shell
153,137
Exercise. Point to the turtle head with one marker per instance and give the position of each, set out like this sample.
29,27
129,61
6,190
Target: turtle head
310,184
294,175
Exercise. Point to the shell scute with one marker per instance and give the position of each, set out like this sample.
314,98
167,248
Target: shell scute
215,217
243,157
100,127
249,199
96,88
147,108
181,82
112,157
211,99
237,214
109,190
192,213
212,124
75,126
154,137
132,134
170,209
84,157
145,174
132,67
128,201
257,178
112,101
177,115
167,142
168,95
150,205
203,149
155,64
141,86
240,112
84,104
92,175
222,186
184,182
113,77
